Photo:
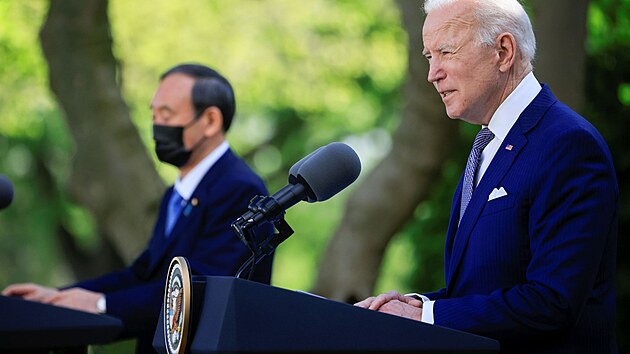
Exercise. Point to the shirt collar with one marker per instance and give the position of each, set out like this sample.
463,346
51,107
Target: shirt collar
508,112
185,187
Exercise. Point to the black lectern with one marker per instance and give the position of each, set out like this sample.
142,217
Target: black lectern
27,325
238,316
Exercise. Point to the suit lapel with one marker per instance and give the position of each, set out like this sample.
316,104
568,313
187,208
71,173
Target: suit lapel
493,176
161,243
452,228
496,171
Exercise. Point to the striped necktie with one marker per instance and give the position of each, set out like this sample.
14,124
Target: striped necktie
481,141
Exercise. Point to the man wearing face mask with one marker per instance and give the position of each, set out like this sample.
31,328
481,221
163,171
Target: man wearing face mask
192,110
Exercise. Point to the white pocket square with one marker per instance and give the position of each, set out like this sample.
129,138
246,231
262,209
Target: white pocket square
497,193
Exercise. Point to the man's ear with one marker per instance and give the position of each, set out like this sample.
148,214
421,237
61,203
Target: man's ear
506,48
214,119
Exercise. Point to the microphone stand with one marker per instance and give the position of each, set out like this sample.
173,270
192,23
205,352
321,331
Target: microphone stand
243,228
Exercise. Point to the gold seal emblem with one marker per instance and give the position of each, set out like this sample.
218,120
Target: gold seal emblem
177,305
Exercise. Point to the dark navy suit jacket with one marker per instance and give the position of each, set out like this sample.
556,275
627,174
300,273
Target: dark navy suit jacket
202,234
535,269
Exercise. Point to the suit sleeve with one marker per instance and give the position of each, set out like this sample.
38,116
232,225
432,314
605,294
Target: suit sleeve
436,295
214,249
129,297
571,220
116,280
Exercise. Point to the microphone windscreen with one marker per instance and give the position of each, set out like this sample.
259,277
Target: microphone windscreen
329,170
6,192
293,171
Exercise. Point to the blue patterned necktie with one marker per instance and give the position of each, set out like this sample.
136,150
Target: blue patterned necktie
481,141
175,205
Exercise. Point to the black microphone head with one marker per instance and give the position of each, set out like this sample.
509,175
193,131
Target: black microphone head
6,192
293,171
328,170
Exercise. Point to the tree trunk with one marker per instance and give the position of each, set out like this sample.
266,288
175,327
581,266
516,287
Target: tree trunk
560,27
386,199
112,174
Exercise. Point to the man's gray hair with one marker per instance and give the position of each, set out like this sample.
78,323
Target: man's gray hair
495,17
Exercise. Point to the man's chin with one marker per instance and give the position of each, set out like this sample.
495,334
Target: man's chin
453,115
457,115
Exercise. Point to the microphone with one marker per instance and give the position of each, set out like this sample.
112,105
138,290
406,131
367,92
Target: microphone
327,171
6,192
315,178
293,171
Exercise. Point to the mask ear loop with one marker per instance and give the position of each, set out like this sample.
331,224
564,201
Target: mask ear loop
193,121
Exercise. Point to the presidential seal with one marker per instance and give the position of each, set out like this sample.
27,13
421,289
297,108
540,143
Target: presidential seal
177,305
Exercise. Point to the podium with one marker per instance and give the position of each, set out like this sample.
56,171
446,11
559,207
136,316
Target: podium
30,326
233,315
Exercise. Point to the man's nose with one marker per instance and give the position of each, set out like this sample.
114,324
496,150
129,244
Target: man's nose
436,72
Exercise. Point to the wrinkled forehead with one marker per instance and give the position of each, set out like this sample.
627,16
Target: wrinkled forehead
451,23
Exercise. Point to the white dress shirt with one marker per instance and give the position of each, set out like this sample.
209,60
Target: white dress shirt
500,124
504,118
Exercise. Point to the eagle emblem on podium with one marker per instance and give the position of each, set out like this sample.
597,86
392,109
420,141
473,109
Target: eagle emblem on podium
177,305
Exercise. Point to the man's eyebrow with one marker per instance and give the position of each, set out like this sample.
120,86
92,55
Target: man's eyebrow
444,46
160,108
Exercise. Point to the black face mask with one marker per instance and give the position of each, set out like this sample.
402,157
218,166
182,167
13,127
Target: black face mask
169,144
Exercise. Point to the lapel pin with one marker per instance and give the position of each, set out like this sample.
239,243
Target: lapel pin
193,203
508,147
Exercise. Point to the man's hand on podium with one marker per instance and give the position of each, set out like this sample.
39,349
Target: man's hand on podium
78,299
74,298
30,291
394,303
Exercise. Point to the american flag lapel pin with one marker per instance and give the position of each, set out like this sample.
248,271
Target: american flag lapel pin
508,147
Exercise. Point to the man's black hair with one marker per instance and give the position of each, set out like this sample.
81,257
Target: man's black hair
210,89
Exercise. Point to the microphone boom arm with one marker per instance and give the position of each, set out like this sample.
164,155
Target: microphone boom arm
267,247
272,212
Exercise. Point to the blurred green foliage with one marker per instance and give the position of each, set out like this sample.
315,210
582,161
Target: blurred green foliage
35,151
305,73
608,107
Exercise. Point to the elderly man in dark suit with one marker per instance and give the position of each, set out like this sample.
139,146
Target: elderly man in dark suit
192,110
531,244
